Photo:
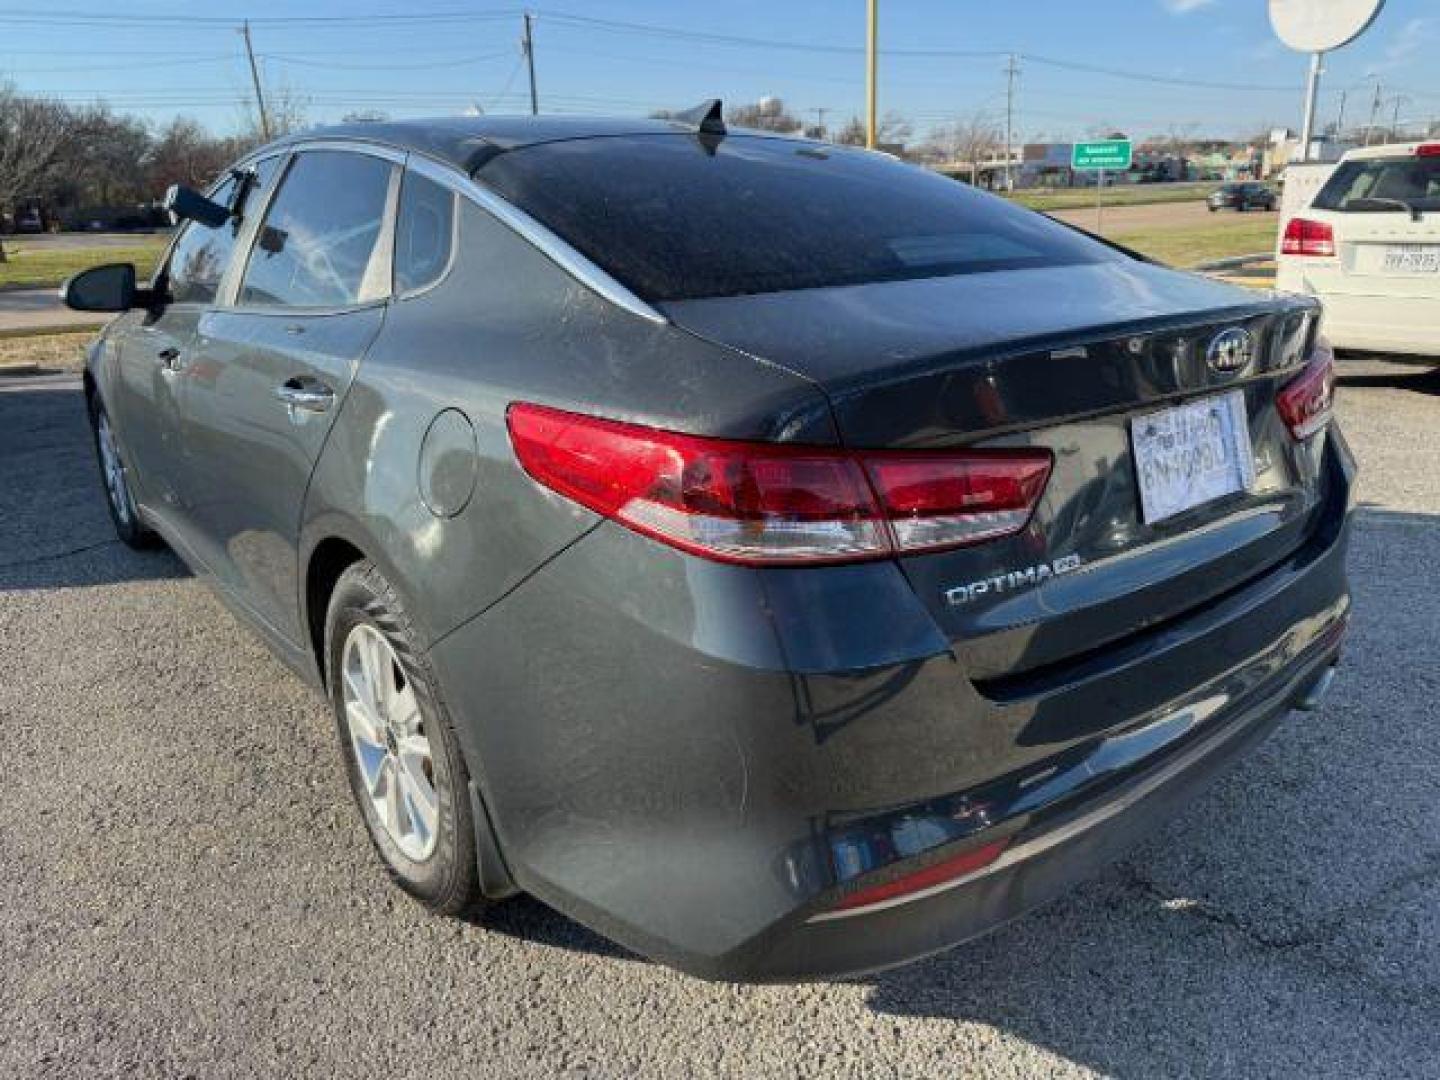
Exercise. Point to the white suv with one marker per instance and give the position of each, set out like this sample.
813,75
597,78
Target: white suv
1368,246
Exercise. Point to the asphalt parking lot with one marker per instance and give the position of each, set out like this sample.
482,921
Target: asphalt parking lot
187,891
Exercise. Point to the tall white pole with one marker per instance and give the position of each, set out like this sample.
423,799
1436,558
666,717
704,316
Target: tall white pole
1312,92
872,45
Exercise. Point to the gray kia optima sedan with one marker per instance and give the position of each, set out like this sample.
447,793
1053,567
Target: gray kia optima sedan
786,561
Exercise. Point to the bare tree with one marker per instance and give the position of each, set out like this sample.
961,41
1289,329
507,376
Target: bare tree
102,160
767,114
32,135
286,110
852,134
894,129
967,140
183,152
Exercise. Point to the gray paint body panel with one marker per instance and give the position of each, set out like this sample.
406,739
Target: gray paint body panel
672,749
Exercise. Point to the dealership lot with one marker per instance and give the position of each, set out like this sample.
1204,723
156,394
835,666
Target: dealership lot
188,892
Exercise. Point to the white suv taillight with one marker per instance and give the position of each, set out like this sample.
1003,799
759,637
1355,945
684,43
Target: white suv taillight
1306,402
1305,237
775,504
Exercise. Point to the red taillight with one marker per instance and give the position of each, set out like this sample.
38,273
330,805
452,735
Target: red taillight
940,873
946,499
1429,149
1305,403
1305,237
769,503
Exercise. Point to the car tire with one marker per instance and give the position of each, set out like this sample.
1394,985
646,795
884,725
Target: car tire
402,757
115,479
1212,209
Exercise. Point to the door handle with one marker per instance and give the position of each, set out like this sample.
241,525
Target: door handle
169,359
305,394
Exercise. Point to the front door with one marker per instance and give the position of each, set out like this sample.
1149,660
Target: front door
272,371
153,352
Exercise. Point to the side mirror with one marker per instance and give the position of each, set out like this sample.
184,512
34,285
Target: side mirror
187,204
102,288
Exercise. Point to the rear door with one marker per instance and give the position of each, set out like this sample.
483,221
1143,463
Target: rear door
273,367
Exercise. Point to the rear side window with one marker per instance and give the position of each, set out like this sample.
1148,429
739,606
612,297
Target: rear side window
675,219
320,243
1364,186
424,227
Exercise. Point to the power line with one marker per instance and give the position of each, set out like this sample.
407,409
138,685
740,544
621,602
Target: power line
428,65
105,17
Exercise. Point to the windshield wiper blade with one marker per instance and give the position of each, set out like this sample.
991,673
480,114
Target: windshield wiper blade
1409,208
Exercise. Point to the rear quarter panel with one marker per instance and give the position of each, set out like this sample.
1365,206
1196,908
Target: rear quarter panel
507,324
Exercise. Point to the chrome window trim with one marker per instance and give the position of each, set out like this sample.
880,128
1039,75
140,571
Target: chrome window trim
582,269
423,167
551,246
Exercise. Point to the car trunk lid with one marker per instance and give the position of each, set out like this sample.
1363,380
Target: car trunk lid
1068,359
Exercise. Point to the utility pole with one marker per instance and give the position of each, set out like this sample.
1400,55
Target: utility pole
1374,112
873,19
529,48
1395,119
820,119
1011,70
1340,119
255,76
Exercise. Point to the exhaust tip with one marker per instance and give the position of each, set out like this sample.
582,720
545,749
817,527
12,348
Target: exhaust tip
1313,695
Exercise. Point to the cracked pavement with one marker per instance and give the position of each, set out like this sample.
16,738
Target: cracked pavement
187,891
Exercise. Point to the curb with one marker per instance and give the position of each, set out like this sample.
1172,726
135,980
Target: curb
12,370
9,333
1233,263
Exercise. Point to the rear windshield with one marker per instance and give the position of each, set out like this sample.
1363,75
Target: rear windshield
674,219
1364,186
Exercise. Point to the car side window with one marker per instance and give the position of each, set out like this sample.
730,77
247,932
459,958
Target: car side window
320,244
424,232
201,255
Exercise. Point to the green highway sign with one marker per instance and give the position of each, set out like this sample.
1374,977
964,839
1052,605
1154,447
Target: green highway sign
1110,154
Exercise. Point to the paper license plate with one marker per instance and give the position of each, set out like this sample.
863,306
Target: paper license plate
1192,454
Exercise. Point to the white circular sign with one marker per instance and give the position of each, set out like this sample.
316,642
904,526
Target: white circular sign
1321,25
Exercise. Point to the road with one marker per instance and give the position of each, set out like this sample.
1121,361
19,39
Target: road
41,309
82,239
187,891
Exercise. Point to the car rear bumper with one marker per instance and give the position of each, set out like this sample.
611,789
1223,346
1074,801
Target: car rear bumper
700,761
1368,321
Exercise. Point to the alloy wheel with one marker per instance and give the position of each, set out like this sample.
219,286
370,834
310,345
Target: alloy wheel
387,734
113,469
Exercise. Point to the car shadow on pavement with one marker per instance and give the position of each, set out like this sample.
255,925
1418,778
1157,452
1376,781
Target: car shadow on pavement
1420,380
527,919
1288,921
55,531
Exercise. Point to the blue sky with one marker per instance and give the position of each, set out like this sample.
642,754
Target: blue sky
1208,66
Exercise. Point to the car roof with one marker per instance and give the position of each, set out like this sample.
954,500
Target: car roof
467,142
1388,150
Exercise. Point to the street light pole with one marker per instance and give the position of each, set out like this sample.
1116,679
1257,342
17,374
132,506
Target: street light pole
872,32
1312,90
